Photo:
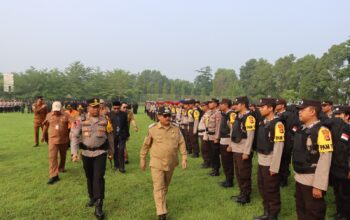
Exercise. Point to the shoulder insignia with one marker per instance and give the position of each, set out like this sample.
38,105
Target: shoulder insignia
250,123
279,132
324,140
152,125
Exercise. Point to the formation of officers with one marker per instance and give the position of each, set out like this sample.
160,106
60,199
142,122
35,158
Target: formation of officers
98,131
312,135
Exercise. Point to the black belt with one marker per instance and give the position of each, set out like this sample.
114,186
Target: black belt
211,133
201,130
104,146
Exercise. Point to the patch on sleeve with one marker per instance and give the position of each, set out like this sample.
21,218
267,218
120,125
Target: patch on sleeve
233,117
196,115
279,132
250,123
324,140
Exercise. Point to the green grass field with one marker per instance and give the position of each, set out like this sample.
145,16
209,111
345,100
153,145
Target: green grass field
192,195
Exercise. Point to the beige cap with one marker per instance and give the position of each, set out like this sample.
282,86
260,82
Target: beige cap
56,106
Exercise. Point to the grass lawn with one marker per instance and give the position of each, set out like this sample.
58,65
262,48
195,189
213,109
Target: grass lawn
192,195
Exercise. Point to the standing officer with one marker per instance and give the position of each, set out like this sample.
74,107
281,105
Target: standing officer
312,155
56,124
203,135
193,120
242,137
40,111
327,109
164,140
227,119
291,124
184,126
213,130
94,136
270,141
340,168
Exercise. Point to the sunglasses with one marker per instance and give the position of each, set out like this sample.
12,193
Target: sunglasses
166,116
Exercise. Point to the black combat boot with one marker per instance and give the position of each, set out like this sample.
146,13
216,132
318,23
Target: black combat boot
162,217
91,202
264,216
214,173
98,209
244,199
227,183
273,217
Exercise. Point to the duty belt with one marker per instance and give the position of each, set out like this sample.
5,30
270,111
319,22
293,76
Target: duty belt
104,146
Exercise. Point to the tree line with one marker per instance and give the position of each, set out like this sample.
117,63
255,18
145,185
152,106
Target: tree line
325,77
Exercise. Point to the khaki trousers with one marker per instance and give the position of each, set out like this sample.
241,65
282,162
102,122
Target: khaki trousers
53,161
161,180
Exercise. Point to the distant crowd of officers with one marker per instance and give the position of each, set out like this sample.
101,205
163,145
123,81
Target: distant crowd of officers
312,135
98,129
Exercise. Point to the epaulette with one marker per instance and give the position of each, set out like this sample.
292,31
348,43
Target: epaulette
152,125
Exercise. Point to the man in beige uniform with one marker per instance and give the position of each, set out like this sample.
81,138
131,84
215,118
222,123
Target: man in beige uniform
56,125
40,112
312,155
270,143
203,135
94,136
164,140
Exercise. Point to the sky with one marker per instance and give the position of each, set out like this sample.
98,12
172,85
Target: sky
175,37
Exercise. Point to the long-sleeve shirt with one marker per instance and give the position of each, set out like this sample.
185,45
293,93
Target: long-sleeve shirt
163,144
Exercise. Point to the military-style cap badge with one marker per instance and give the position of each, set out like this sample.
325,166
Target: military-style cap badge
327,103
93,102
267,101
306,103
242,99
164,111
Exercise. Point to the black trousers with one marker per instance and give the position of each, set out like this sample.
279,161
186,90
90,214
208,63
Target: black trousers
284,171
269,188
342,196
119,149
215,155
95,168
243,170
205,151
227,163
308,208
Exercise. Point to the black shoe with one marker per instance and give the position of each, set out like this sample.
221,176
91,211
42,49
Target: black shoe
91,202
162,217
274,217
126,161
226,184
236,197
53,180
35,145
195,155
205,166
284,183
214,173
340,216
243,200
264,216
98,209
122,170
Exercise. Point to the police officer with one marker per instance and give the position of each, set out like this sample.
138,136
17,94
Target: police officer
184,126
291,123
340,168
193,120
203,135
94,136
213,130
312,154
327,110
242,137
270,141
228,116
164,140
